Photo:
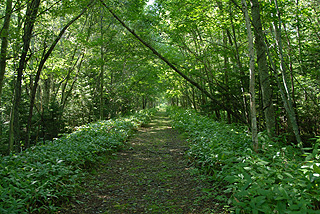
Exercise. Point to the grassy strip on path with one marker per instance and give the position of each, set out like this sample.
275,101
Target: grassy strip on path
150,176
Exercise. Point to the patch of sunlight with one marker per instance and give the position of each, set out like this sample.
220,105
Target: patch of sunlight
150,2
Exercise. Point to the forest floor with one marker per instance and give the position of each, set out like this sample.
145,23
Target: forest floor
152,175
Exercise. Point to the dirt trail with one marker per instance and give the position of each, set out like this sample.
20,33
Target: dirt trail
151,176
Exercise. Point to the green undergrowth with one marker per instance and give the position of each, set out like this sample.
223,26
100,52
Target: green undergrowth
40,178
277,179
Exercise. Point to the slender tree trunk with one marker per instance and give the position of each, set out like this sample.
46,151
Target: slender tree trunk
227,36
67,78
64,93
252,78
264,76
68,93
47,90
283,87
298,12
3,52
243,81
101,76
290,67
11,136
194,99
4,43
286,97
31,15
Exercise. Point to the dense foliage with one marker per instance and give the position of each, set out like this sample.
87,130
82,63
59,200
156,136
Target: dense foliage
208,41
95,71
66,63
277,179
41,177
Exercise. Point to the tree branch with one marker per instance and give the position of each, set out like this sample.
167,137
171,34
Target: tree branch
235,114
40,67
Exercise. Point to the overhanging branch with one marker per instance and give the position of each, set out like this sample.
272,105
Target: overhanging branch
235,114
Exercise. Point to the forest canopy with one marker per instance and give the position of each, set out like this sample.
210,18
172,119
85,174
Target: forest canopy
67,63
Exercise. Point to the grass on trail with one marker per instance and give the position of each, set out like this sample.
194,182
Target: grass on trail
151,175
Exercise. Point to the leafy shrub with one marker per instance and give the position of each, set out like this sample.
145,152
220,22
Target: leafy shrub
275,180
41,177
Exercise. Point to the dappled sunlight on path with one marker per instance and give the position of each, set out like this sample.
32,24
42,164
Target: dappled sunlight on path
150,176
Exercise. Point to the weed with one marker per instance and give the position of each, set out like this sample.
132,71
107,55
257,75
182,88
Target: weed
40,178
278,179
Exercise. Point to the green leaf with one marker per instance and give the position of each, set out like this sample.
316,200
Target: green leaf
316,168
248,182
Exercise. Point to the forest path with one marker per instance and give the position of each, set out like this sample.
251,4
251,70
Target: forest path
151,176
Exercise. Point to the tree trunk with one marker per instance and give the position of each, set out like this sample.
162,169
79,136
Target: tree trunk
78,62
67,78
286,96
101,76
31,15
298,12
4,43
252,79
283,87
47,90
264,76
68,93
3,52
243,80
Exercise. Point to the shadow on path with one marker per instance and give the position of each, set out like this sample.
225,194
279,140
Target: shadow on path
151,176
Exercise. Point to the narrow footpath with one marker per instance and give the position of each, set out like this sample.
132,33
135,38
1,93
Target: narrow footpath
152,175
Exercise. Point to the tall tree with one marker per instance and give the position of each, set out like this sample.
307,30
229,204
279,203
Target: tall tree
284,89
4,32
4,43
30,19
101,76
252,78
264,75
